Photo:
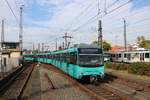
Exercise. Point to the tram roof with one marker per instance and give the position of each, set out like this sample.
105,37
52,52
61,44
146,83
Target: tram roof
28,54
74,49
64,51
82,45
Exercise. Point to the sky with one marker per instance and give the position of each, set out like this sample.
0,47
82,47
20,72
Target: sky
46,20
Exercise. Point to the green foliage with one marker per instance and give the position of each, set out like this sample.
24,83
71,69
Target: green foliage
142,42
106,45
147,44
116,66
108,65
141,68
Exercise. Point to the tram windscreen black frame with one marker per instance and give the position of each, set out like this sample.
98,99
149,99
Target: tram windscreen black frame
89,51
85,55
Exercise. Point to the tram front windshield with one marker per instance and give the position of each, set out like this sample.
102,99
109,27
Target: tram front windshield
90,60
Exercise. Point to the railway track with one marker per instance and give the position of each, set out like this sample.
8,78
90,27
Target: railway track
100,92
105,93
17,83
136,87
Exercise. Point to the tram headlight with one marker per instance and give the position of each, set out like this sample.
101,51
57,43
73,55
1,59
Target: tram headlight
80,74
101,73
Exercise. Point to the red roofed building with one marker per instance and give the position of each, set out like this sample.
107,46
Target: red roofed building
130,47
116,48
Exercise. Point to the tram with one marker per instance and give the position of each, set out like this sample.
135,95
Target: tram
79,62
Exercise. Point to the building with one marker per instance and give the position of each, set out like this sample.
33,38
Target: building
130,47
10,45
10,56
117,48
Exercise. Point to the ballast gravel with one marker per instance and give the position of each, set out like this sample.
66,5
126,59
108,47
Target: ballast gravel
64,90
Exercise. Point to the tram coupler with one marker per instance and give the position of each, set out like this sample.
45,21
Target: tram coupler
94,79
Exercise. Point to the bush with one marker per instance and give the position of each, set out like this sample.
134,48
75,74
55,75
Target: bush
116,66
108,64
141,68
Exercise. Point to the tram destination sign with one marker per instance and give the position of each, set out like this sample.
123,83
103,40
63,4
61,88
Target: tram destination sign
90,50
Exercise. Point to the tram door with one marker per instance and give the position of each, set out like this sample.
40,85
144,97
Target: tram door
141,56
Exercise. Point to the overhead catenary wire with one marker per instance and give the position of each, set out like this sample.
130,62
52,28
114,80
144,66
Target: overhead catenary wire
135,13
80,14
112,4
93,18
89,21
98,4
133,24
12,11
99,12
17,7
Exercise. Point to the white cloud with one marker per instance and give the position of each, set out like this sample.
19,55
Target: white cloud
61,20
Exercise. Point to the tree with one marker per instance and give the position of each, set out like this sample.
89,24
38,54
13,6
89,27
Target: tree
140,41
147,44
106,45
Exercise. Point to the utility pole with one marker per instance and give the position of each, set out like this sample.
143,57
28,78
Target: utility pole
42,47
2,34
100,37
1,48
68,45
63,45
66,41
38,47
98,6
56,44
21,30
33,48
125,40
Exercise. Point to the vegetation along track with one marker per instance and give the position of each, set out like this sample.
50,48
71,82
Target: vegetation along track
17,84
99,92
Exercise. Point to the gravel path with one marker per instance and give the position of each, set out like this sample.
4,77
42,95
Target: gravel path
33,88
65,90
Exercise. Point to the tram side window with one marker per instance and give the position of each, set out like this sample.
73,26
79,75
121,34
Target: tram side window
58,57
49,56
45,56
129,56
61,57
67,58
119,55
125,55
73,58
64,57
147,55
54,57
